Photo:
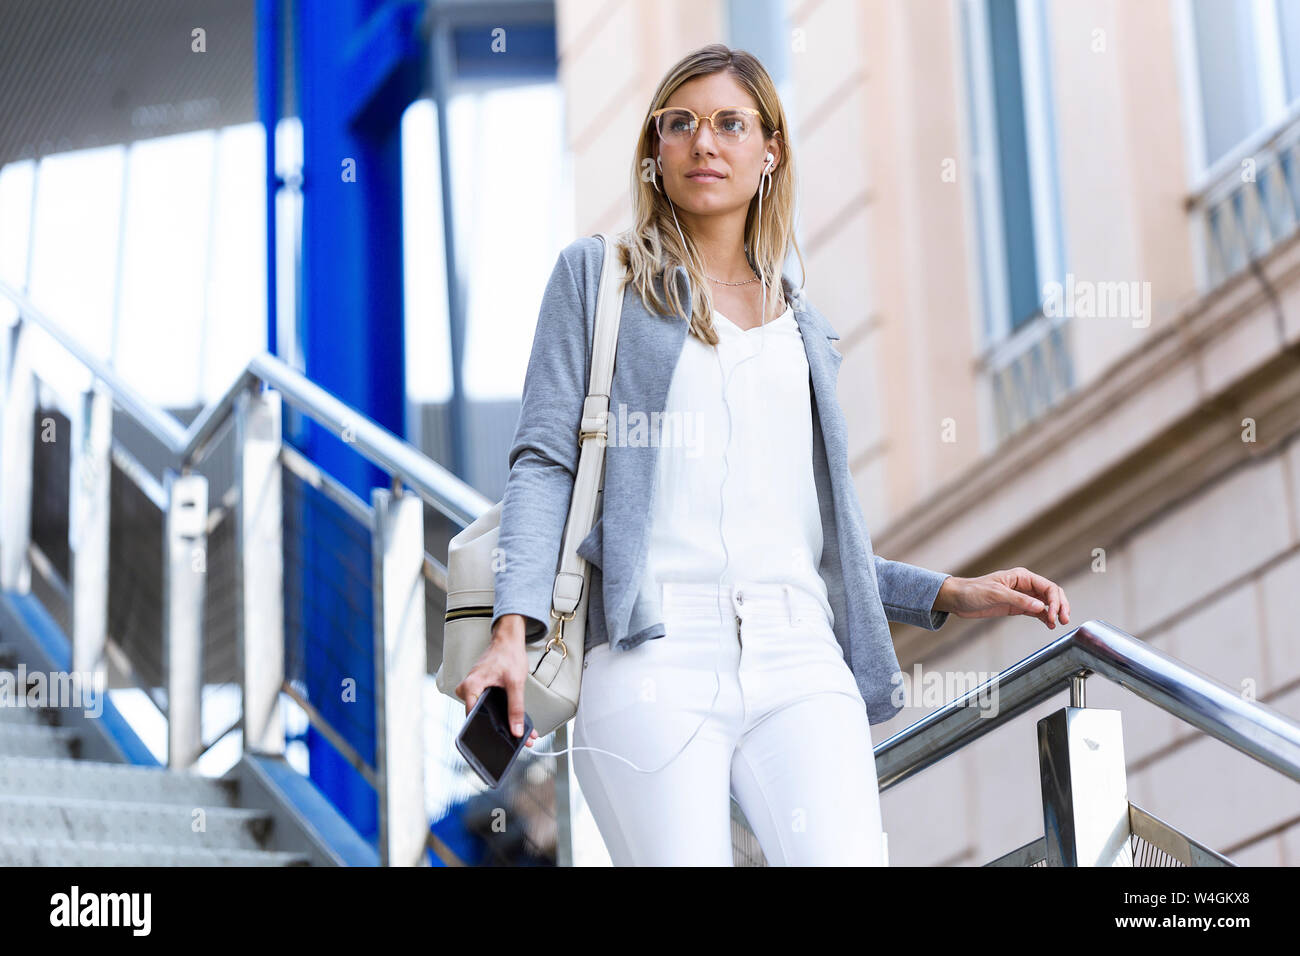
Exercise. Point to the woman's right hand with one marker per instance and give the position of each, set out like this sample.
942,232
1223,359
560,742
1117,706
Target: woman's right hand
503,664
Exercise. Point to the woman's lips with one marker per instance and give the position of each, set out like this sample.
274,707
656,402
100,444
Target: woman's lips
704,178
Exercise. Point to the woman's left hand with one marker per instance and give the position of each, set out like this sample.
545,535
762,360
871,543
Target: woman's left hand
1004,593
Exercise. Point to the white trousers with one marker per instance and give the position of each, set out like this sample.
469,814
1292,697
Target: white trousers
789,736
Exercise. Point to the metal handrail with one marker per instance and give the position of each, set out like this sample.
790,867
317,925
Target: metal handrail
441,489
400,792
153,419
1098,647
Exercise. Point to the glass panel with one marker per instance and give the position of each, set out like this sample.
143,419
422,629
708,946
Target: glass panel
511,219
1288,23
16,183
164,265
980,163
428,338
235,305
74,255
1229,86
1013,156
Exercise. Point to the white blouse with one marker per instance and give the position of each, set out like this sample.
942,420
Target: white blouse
758,487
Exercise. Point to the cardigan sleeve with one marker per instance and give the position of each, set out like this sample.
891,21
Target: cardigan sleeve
543,456
908,593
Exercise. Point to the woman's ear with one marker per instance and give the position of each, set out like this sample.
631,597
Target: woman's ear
774,147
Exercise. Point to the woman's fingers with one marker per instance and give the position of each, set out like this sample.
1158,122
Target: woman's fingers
1021,601
1051,594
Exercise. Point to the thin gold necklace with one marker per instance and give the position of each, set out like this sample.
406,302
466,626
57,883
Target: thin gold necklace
724,282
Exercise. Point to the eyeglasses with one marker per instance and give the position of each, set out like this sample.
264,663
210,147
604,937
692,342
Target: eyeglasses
731,124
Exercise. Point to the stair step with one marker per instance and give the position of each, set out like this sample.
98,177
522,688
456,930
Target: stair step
125,783
23,851
34,740
115,821
29,716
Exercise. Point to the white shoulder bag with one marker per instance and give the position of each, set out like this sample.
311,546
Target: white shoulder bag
555,667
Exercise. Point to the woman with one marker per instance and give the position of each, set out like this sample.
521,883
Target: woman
737,637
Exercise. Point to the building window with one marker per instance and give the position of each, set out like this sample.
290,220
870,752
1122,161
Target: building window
1246,72
1013,156
1241,79
1019,237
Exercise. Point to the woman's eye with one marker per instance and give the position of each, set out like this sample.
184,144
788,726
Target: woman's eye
735,124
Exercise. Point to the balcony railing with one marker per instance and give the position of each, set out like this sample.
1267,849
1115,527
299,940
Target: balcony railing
1248,203
1028,373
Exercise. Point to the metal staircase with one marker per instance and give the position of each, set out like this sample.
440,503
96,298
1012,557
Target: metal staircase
58,809
174,558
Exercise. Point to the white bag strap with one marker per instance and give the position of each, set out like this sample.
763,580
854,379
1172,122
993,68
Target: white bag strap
592,436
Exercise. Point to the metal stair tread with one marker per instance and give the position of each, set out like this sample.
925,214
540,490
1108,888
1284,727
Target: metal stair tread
126,806
39,716
41,775
135,822
14,729
36,739
83,851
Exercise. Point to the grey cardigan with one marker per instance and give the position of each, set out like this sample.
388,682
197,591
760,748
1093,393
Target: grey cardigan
865,590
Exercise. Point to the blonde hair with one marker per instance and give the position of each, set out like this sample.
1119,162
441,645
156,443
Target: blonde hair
652,248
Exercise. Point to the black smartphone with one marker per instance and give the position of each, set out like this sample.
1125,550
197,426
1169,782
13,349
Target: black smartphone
485,741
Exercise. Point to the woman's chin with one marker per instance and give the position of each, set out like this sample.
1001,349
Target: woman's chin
706,205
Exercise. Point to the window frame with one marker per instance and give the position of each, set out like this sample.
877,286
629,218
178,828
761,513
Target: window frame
982,149
1270,87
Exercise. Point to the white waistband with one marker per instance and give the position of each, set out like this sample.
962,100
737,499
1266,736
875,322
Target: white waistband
742,598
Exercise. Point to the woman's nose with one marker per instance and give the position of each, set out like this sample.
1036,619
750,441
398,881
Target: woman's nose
711,143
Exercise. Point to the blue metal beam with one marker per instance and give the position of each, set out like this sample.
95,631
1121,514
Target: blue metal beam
376,79
357,65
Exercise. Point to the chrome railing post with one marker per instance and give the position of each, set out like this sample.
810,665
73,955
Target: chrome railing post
1085,790
398,581
184,575
1078,685
17,412
89,475
259,563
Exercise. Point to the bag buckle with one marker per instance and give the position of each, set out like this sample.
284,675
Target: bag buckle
558,637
